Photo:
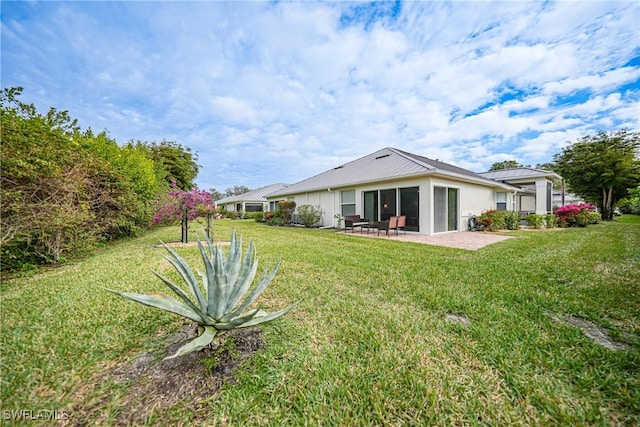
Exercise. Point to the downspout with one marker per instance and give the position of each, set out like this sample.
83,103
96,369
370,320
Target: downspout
333,208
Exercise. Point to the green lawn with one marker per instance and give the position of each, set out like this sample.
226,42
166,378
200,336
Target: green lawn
370,344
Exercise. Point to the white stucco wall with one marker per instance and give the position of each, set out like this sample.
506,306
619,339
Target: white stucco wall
472,199
528,203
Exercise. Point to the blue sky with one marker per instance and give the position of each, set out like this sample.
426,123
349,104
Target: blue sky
270,92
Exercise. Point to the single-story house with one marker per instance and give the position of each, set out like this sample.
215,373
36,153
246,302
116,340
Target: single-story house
251,201
536,188
435,196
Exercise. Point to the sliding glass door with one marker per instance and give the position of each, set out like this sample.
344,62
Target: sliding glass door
410,207
445,209
380,205
371,205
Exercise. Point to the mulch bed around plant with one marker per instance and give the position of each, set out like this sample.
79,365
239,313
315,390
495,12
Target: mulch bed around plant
157,384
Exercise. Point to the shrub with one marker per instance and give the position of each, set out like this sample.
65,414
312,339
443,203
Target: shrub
492,220
258,216
631,204
275,218
594,217
574,215
536,221
225,281
550,220
310,215
512,220
286,209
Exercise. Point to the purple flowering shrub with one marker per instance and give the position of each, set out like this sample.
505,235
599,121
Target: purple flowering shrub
178,204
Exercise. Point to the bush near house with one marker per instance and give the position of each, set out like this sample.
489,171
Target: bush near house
275,218
286,209
535,221
576,215
258,216
310,215
550,221
492,220
512,220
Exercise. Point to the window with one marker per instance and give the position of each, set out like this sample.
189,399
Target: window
501,201
348,202
253,207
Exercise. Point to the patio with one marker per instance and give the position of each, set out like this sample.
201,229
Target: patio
468,240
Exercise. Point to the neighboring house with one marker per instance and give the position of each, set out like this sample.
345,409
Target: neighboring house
535,194
569,199
436,197
251,201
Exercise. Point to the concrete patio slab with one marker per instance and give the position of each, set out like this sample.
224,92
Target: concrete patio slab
468,240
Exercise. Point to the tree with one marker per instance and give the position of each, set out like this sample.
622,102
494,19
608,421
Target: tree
215,194
63,189
507,164
183,206
176,163
631,203
601,168
236,191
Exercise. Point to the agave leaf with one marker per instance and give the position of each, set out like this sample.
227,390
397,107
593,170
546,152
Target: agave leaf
245,278
165,303
234,259
217,289
207,336
210,245
187,275
268,317
184,297
264,281
209,277
234,323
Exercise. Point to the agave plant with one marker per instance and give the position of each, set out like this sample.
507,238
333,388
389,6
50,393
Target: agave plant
224,281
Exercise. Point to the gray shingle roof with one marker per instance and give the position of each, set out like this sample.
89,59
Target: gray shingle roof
257,195
385,164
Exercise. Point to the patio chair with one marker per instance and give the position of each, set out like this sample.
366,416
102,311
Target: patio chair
392,224
402,223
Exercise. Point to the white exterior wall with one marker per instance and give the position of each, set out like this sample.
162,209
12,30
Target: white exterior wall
472,199
541,197
528,203
324,199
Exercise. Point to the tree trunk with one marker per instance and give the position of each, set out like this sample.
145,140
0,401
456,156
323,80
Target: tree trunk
185,228
607,204
209,225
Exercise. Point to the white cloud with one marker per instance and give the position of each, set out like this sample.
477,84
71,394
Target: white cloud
276,92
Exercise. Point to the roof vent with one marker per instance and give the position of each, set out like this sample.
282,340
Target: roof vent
383,156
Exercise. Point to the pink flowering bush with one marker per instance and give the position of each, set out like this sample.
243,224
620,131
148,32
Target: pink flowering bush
179,202
575,215
184,206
